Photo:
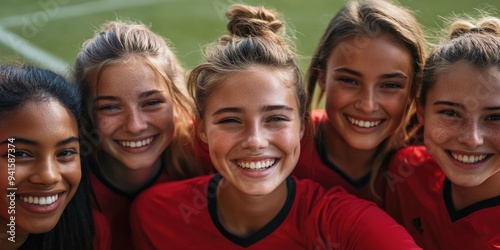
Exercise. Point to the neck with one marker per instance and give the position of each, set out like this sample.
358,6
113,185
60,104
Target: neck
244,215
355,163
128,180
11,238
466,196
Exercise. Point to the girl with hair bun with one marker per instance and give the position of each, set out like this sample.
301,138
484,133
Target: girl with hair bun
447,193
251,111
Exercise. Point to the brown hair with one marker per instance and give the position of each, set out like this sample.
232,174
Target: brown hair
373,18
256,37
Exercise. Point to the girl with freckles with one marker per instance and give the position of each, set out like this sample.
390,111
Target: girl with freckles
39,114
447,193
137,119
251,111
367,67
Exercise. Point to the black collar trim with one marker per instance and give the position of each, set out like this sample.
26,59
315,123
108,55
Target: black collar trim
263,232
457,215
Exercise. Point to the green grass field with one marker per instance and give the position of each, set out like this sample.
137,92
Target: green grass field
50,32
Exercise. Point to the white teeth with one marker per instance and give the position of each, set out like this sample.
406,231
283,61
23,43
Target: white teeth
256,166
364,124
469,159
40,200
136,144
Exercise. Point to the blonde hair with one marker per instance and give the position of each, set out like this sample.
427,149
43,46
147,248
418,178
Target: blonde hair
115,43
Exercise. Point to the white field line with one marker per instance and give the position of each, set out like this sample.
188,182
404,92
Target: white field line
55,12
58,11
35,54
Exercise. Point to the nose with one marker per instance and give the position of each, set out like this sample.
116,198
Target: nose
366,101
134,122
254,138
46,172
471,135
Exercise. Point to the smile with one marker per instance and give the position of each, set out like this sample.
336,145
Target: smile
44,200
364,124
468,159
137,144
256,166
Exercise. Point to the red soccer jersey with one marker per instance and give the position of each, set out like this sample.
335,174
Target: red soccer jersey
102,237
419,197
313,164
183,215
115,205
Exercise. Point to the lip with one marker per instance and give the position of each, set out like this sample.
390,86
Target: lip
150,140
37,208
460,160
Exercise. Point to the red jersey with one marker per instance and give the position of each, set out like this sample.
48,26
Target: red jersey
115,204
419,197
314,164
102,235
183,215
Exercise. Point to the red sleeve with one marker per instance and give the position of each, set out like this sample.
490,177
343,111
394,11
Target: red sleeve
102,236
341,220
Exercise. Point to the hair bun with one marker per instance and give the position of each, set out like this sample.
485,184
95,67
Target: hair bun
487,25
247,21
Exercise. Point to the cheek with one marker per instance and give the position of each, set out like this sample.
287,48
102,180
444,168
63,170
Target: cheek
72,174
337,98
395,106
436,132
106,125
165,120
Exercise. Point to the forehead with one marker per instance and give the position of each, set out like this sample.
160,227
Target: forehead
47,120
129,78
467,84
382,53
255,86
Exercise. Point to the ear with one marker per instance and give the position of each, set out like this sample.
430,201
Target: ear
420,114
200,127
321,79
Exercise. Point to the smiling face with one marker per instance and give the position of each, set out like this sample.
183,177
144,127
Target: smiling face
134,113
462,124
47,164
366,84
253,129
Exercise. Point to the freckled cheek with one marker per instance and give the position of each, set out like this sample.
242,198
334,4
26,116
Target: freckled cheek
438,133
107,125
493,138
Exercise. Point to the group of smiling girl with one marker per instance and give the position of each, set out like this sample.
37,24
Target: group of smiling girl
405,153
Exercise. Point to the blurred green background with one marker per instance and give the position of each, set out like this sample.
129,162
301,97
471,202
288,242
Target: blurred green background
49,33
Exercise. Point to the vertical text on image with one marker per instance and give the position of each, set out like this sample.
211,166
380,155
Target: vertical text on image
11,189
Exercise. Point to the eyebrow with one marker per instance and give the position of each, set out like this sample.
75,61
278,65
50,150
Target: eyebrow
35,143
114,98
453,104
266,108
384,76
